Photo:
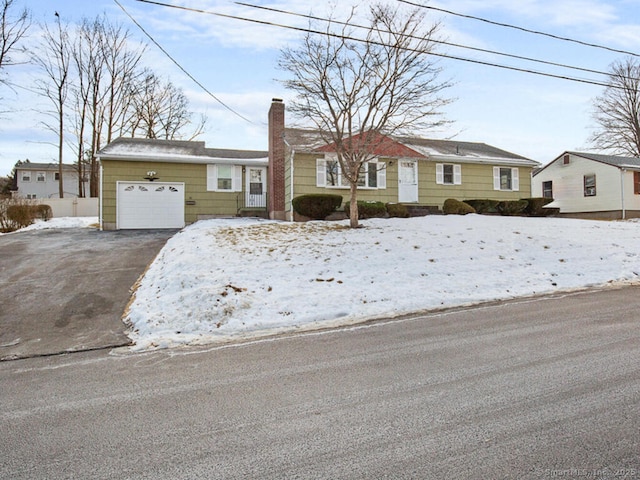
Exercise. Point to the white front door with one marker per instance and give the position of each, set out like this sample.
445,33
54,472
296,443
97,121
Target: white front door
256,188
407,181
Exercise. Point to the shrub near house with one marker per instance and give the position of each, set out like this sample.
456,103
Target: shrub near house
318,206
19,213
456,207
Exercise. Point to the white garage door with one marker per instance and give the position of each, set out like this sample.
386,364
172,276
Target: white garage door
150,205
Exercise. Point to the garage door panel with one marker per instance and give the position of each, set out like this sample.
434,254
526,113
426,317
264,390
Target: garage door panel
150,205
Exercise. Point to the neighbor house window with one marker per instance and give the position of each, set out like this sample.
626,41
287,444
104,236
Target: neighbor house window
505,178
31,196
40,177
636,183
329,174
547,189
448,174
590,185
56,176
566,160
26,176
224,178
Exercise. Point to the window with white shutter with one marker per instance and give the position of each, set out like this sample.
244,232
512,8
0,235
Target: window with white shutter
224,178
505,178
448,174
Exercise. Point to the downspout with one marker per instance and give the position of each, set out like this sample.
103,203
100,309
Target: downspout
624,212
293,152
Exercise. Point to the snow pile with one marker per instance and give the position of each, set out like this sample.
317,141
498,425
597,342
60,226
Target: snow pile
223,279
64,222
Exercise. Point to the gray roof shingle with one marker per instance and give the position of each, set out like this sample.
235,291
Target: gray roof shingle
310,140
151,148
616,161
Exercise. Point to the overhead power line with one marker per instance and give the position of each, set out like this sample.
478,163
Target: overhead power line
180,66
346,37
441,42
522,29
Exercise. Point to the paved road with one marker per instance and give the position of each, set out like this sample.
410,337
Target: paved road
543,388
66,289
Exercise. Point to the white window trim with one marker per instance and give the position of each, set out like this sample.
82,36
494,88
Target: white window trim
44,177
212,178
589,191
28,177
321,175
457,174
515,179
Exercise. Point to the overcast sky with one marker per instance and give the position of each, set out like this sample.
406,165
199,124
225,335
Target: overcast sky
531,115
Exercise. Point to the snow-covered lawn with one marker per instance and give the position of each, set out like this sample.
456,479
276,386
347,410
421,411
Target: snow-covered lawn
218,280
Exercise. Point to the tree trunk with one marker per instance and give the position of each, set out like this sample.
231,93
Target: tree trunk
60,152
353,206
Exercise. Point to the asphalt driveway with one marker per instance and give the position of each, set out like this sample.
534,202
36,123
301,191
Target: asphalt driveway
64,290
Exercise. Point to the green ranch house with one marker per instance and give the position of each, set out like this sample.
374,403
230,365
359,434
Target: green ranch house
149,183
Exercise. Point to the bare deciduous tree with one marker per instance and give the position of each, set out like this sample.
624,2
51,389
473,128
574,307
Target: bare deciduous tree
122,62
617,111
106,67
86,92
54,58
161,110
12,30
362,84
92,76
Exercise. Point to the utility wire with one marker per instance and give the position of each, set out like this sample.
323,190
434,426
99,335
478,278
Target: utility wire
494,52
343,37
522,29
180,66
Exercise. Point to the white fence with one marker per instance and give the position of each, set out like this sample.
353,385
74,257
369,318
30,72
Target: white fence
72,207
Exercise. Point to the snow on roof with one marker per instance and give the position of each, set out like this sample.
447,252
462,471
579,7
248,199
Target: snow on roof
451,150
145,149
45,166
464,151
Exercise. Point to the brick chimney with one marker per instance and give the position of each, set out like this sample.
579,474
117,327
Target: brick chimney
276,191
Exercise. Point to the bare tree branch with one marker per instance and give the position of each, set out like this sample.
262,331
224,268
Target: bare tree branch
12,30
53,56
161,110
617,111
358,92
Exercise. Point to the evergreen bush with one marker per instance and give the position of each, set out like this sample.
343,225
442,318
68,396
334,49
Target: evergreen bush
512,207
368,209
456,207
535,206
397,210
484,206
316,206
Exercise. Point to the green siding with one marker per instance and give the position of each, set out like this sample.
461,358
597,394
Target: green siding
194,176
477,182
305,182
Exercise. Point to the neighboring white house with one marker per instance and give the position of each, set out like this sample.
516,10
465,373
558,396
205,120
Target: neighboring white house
41,180
588,185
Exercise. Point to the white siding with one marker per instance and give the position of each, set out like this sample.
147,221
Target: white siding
49,188
631,200
568,185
